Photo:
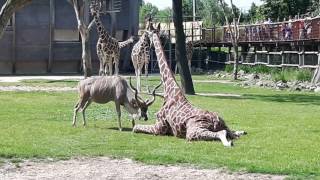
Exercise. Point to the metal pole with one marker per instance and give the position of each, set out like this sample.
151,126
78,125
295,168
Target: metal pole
194,10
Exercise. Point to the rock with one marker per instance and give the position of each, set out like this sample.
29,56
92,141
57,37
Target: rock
245,83
295,88
260,83
241,73
317,90
253,77
281,85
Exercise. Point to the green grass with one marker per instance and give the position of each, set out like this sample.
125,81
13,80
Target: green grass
283,131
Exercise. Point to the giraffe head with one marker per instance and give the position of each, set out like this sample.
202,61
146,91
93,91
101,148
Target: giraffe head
151,30
139,107
95,7
145,38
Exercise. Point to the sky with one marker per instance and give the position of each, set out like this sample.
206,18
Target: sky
242,4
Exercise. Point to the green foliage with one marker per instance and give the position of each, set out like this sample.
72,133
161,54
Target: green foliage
304,75
292,74
147,9
280,9
165,15
38,125
280,76
255,14
228,68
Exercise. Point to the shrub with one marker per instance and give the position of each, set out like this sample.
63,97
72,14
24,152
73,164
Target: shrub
304,75
245,68
262,69
229,68
279,76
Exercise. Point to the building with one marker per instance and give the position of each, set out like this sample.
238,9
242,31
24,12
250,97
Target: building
43,36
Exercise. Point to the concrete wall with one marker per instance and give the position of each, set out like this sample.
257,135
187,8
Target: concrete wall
25,46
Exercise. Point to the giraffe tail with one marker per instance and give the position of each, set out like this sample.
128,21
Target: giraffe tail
126,43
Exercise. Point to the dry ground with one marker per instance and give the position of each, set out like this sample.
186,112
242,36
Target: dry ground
107,168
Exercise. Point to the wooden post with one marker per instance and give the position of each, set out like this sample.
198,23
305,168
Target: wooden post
14,43
255,55
214,34
318,54
268,55
301,56
282,56
229,53
51,26
170,47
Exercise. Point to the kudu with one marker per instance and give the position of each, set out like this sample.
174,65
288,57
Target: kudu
104,89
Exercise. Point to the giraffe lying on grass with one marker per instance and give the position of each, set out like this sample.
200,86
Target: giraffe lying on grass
178,117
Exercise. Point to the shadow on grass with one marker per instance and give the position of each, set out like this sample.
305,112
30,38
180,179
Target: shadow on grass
301,99
62,81
123,129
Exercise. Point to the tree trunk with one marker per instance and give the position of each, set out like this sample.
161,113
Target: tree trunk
7,10
316,76
181,58
236,62
86,52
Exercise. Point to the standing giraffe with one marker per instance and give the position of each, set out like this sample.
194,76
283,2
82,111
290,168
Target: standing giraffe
140,56
189,52
178,117
108,49
104,63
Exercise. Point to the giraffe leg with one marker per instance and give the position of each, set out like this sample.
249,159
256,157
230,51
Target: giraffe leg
106,66
110,67
139,79
101,65
160,128
195,134
146,73
116,64
235,134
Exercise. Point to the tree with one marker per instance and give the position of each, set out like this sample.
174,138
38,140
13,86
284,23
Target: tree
7,10
185,75
165,15
234,32
280,9
147,9
255,13
81,8
210,13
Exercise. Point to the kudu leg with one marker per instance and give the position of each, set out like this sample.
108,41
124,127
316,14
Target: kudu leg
118,109
76,109
83,109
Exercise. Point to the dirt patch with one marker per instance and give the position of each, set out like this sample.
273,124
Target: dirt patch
107,168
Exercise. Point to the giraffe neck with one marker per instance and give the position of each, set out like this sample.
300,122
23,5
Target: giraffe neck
167,76
125,43
101,31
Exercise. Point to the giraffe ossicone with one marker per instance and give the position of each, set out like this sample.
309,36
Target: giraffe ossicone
178,117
